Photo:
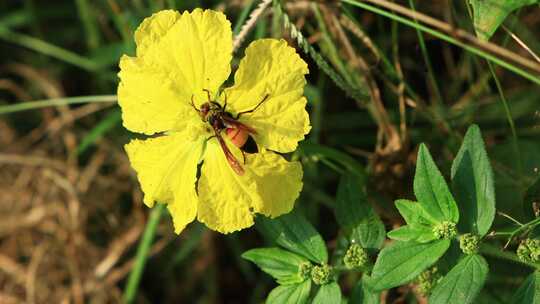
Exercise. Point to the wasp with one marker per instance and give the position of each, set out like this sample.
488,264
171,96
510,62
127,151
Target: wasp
221,120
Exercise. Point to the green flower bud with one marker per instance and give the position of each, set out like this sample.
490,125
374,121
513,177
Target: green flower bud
427,280
469,243
321,274
355,257
445,230
529,251
304,270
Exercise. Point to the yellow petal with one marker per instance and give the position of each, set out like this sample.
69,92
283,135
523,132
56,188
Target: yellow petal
153,28
279,182
228,202
272,68
177,57
166,167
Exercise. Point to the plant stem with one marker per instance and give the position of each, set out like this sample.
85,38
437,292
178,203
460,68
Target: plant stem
37,104
46,48
508,117
142,254
447,38
497,252
431,74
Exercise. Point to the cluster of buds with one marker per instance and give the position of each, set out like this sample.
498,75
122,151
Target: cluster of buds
356,257
529,251
321,274
469,243
427,280
304,270
445,230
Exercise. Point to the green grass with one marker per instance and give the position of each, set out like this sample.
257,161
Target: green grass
415,83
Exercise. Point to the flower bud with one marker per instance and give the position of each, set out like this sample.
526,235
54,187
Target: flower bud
355,257
304,270
445,230
427,280
321,274
529,251
469,243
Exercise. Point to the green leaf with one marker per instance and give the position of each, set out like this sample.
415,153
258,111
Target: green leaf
328,294
514,175
414,213
420,224
529,291
463,283
293,232
401,262
282,265
290,294
362,294
489,14
473,186
417,233
431,189
355,215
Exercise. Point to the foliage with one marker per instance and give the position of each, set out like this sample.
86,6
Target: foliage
420,173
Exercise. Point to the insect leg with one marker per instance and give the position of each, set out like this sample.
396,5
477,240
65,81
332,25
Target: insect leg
225,102
255,108
243,156
208,94
193,104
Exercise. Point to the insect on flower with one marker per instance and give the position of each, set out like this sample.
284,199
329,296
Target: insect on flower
239,133
219,154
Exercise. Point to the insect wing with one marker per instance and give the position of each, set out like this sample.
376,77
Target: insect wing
230,157
235,124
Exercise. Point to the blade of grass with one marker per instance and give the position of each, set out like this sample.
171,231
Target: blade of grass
431,75
189,245
508,116
447,38
306,47
134,278
242,18
37,104
109,122
48,49
89,24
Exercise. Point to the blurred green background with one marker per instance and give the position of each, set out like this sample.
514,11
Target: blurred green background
71,211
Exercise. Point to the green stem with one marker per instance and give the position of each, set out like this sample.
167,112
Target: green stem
431,75
242,18
46,48
37,104
497,252
446,38
142,254
508,116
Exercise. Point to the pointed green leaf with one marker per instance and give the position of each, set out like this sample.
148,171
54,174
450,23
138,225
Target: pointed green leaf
473,186
489,14
414,213
431,189
293,232
463,283
417,233
362,294
529,291
290,294
355,214
328,294
401,262
282,265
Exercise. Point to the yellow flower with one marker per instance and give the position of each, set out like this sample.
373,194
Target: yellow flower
179,58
